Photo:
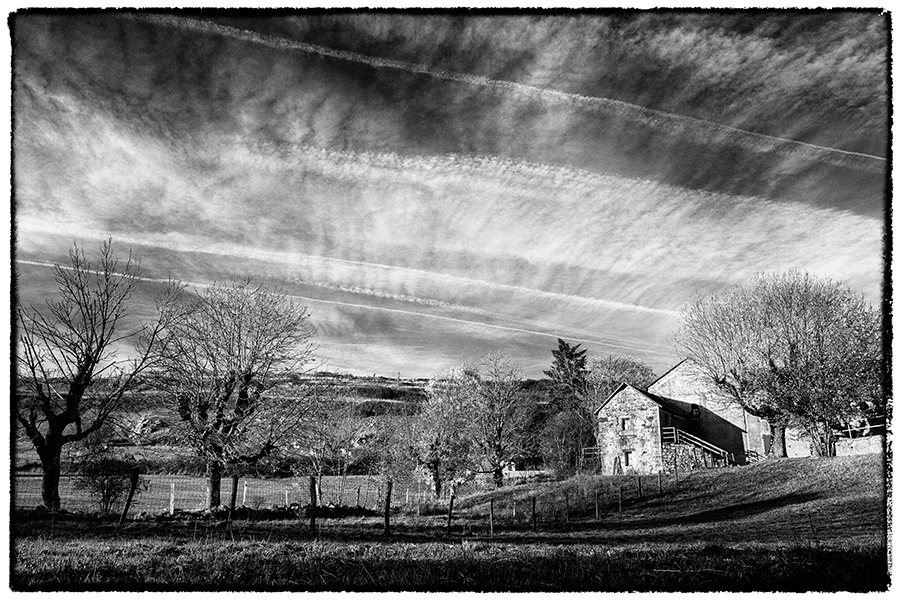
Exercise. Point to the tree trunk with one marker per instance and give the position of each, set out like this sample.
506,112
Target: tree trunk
822,442
387,507
779,442
50,465
214,478
498,477
436,485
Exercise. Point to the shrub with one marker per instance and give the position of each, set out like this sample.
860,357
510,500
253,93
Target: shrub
107,479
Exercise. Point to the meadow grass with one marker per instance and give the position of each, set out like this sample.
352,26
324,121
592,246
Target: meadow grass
790,525
263,564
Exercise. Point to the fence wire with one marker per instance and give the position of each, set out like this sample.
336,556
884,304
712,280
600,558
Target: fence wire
168,493
584,498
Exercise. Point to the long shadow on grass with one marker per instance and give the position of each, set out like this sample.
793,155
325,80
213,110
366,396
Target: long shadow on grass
610,528
731,512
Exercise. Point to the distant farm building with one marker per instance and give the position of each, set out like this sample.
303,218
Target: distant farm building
683,421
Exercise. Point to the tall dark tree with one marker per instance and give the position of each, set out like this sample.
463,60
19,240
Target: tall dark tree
569,374
791,348
71,380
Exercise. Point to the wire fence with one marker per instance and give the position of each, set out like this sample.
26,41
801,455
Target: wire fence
169,493
583,498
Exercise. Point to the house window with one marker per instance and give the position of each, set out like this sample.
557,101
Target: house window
625,423
626,458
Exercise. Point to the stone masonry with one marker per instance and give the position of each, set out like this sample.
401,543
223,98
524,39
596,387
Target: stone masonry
723,422
629,433
686,457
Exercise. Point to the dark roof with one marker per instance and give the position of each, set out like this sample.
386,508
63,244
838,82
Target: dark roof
667,404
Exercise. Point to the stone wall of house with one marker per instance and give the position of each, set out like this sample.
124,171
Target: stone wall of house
873,444
723,423
685,458
797,443
641,439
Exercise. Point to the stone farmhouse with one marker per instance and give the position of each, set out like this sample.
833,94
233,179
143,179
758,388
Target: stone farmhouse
679,421
682,421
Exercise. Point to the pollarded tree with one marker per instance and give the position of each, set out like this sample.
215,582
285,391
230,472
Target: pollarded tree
791,348
222,358
71,380
499,415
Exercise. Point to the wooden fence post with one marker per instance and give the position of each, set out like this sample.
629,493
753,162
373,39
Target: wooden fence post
244,499
514,512
620,498
492,517
172,500
567,507
312,503
135,478
534,513
234,484
449,513
286,497
357,496
387,507
640,491
596,507
233,505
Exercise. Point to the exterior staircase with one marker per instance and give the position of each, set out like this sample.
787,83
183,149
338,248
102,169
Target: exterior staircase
673,435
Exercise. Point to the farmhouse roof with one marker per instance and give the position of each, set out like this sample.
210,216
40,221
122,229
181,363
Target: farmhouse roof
667,404
675,366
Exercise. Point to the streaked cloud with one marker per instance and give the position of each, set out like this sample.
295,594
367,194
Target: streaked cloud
519,204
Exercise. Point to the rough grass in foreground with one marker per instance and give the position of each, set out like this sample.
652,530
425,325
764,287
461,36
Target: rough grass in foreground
788,525
485,566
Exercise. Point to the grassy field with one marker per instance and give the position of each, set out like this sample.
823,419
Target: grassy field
190,493
792,525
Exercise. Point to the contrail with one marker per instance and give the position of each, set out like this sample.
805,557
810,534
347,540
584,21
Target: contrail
698,129
293,258
397,311
475,323
447,306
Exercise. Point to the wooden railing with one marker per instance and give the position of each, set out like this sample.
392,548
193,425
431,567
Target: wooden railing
873,426
673,435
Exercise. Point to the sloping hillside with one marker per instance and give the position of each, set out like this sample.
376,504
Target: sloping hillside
782,501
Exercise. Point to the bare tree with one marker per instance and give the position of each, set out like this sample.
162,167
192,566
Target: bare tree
498,419
332,437
71,378
443,445
222,358
790,348
606,372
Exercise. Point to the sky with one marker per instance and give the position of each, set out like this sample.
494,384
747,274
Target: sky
435,186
